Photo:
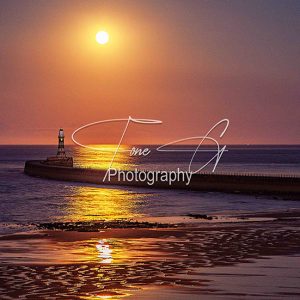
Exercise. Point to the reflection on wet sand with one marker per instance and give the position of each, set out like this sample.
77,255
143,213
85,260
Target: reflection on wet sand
120,262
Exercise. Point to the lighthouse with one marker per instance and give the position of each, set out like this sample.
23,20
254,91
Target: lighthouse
61,143
61,159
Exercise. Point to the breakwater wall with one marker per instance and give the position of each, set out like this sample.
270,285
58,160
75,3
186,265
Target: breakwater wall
232,183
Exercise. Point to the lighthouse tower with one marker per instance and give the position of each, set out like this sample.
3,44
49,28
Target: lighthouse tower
61,159
61,143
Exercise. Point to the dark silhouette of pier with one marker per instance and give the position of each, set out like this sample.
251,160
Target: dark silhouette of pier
248,183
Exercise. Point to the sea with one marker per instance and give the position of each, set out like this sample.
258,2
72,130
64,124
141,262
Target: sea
25,200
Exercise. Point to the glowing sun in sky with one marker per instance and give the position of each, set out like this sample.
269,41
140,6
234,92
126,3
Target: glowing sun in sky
102,37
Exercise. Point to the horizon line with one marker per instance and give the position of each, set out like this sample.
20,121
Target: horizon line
232,144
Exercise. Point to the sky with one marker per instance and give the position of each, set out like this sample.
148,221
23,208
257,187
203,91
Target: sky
186,63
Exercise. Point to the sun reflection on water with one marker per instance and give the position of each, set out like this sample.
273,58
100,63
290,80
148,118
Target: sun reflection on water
105,253
88,203
88,158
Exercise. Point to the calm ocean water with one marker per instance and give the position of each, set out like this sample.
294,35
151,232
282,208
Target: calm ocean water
25,200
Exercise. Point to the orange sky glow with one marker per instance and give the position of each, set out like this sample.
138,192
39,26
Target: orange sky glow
186,63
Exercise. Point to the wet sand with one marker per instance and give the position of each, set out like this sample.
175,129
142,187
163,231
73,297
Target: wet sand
252,256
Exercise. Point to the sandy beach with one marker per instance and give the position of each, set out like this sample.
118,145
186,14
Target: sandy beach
186,259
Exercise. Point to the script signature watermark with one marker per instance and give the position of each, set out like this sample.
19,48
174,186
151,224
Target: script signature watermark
151,176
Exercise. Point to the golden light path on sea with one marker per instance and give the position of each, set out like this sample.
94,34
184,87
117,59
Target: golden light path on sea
101,159
97,203
91,202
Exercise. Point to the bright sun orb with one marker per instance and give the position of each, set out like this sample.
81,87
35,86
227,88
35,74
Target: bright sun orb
102,37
